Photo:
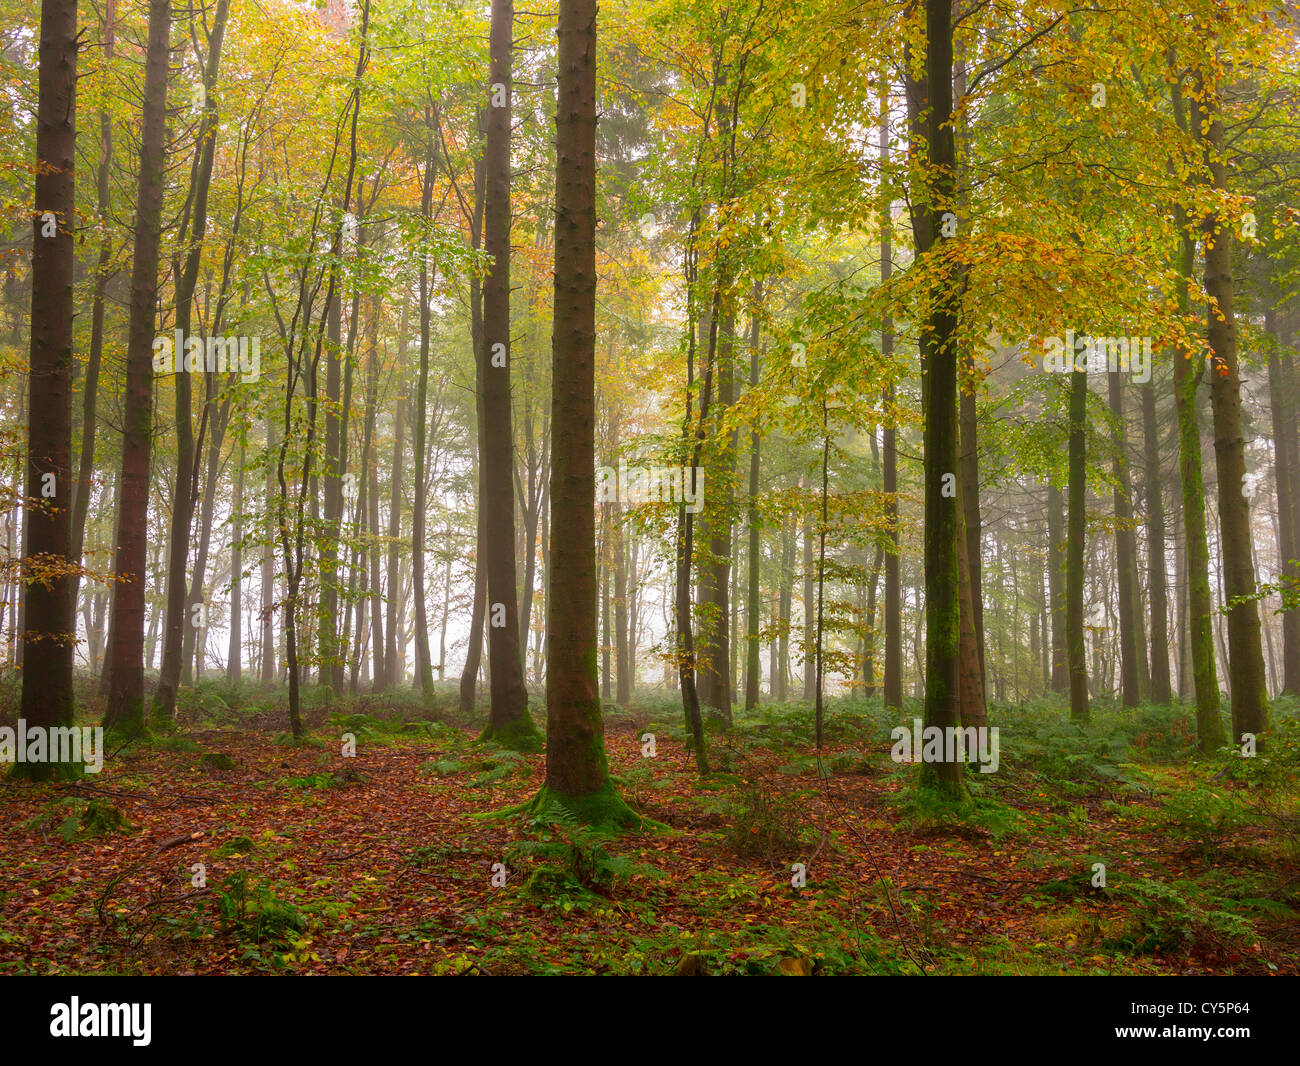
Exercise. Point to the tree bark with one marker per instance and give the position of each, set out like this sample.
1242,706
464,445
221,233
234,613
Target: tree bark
423,664
1283,413
930,108
1155,521
577,773
509,721
1125,550
893,678
1247,690
125,707
753,591
50,594
1076,533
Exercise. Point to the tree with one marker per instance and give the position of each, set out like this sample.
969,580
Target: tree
930,108
1125,550
1077,527
1245,653
125,708
893,679
187,459
1155,523
49,633
509,720
577,774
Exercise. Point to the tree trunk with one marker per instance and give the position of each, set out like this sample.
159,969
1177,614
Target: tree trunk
50,596
125,707
367,519
809,612
509,721
1075,535
423,665
1246,658
474,650
391,678
577,773
1056,545
930,107
1155,521
1283,414
234,663
1125,550
893,679
178,615
785,605
621,659
753,591
90,393
267,616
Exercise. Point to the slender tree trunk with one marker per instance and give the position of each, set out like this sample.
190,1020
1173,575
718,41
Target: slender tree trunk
753,592
809,612
1075,535
1283,413
234,663
267,616
1155,521
1060,675
869,636
391,679
893,679
1187,376
125,707
1125,550
368,510
621,659
330,666
971,677
474,650
509,720
423,665
785,605
90,393
178,614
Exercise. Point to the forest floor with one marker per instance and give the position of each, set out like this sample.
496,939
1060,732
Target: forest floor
222,848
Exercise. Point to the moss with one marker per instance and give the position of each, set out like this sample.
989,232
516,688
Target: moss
518,734
602,809
240,845
217,760
102,817
951,785
47,771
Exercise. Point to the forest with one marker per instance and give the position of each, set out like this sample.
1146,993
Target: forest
665,487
